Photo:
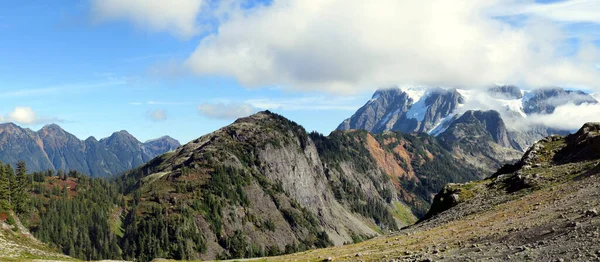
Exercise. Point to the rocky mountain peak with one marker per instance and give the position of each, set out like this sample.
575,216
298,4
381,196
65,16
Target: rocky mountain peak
505,92
589,129
10,128
53,130
387,92
545,100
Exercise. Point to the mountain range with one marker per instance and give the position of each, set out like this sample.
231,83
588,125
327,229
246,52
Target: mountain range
263,186
487,128
53,148
265,178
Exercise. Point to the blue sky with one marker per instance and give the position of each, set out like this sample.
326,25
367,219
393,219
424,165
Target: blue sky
96,67
90,77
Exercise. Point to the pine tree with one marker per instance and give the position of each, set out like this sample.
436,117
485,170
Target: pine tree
4,189
12,183
20,189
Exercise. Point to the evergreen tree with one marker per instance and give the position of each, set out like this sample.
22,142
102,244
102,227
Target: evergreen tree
20,195
4,189
12,183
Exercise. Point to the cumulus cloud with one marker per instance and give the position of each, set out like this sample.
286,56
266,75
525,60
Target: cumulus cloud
174,16
26,116
226,110
569,116
157,115
348,103
348,45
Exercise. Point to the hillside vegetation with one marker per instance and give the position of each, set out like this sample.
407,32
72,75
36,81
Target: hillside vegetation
260,187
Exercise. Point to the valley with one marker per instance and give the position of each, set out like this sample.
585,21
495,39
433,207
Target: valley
386,130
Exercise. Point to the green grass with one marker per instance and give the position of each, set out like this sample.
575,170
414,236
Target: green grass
116,224
404,214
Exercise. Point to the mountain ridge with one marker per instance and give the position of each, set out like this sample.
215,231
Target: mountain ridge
54,148
349,185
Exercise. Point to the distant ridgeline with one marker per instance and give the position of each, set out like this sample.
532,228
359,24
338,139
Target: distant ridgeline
52,148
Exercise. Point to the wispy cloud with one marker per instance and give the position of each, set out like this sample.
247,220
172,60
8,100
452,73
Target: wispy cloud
226,111
60,89
157,115
563,11
350,103
176,16
153,57
151,102
163,103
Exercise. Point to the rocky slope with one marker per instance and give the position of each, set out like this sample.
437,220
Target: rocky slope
54,148
481,139
17,244
263,186
543,208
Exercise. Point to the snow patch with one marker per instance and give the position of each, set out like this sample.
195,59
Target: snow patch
419,108
465,93
443,125
415,92
514,105
387,117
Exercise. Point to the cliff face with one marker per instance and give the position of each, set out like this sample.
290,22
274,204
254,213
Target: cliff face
309,189
482,139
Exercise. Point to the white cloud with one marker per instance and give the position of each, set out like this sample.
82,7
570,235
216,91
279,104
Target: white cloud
566,115
176,16
26,116
226,111
348,45
350,103
569,116
157,115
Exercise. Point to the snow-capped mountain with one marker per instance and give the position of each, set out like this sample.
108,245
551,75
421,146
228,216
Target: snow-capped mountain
406,109
503,115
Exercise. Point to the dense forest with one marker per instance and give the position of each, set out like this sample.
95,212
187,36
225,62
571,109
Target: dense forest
90,218
68,210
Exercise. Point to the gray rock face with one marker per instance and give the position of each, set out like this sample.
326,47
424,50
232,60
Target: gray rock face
490,121
275,151
394,110
389,103
505,92
54,148
482,138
